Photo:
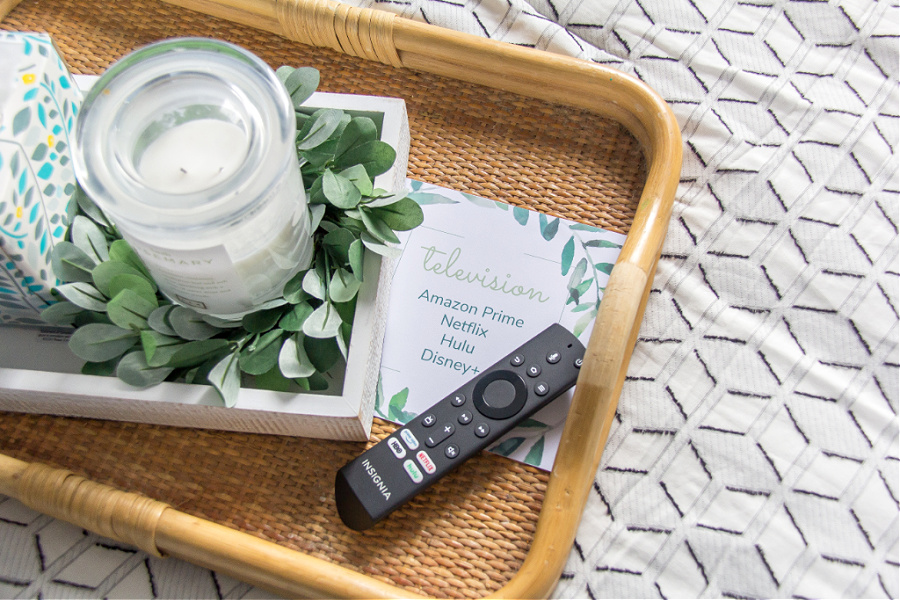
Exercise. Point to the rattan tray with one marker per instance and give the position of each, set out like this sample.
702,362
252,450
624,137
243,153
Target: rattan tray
552,133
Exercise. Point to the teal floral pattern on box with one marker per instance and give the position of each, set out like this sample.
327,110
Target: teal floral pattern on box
38,104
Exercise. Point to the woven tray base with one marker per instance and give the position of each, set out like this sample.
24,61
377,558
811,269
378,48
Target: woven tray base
469,533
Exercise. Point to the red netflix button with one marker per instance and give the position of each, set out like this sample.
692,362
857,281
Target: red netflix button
426,462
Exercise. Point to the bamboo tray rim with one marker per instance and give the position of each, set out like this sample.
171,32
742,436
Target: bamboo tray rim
160,529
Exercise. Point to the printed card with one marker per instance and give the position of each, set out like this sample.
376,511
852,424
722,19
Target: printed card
476,280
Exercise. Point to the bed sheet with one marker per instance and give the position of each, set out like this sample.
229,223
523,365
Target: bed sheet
755,449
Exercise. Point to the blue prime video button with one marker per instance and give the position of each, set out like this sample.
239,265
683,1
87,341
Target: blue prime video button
409,439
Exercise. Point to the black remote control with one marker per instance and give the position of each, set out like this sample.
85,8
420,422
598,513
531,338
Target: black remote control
413,457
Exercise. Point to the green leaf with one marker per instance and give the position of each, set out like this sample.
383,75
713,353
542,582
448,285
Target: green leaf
130,310
84,295
343,339
152,340
358,131
377,199
98,342
293,361
601,244
315,382
521,214
121,251
426,199
293,289
190,325
397,405
314,285
225,323
323,352
582,323
273,380
324,322
90,238
484,202
535,453
106,368
134,370
548,228
261,321
138,284
376,246
105,271
262,354
316,212
583,306
377,228
568,254
187,354
300,83
356,256
61,313
578,274
225,377
337,243
88,207
319,128
159,320
402,215
294,319
340,191
71,263
509,446
605,267
343,286
360,178
376,156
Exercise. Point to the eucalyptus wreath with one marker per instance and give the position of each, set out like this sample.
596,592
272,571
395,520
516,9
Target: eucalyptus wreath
125,327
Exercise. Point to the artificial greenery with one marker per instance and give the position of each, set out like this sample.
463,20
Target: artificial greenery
125,326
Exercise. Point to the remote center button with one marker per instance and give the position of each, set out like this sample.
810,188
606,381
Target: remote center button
458,399
517,360
553,357
464,418
451,451
426,462
413,471
500,394
396,447
534,370
441,434
409,439
428,420
482,430
541,388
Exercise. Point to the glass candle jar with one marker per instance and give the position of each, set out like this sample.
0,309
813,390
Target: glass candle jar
188,146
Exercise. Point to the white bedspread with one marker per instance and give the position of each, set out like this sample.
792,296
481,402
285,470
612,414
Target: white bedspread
755,452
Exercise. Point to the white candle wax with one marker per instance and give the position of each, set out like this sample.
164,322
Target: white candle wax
193,156
214,205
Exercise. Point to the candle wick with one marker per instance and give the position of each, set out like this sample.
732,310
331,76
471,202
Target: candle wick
182,169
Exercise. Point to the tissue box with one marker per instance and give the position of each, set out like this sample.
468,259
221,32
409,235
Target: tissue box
38,104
